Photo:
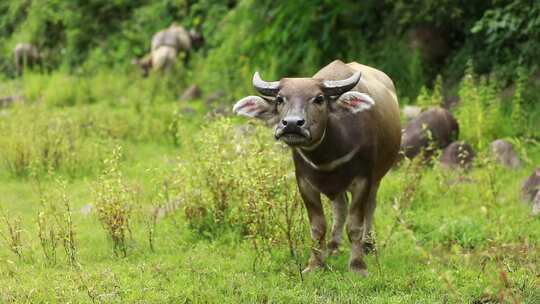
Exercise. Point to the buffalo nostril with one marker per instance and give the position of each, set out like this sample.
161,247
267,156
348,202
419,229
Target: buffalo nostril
300,122
284,122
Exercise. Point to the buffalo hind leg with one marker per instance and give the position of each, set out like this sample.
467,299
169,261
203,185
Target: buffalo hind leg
312,201
361,190
339,216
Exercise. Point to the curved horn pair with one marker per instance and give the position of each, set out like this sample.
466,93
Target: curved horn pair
329,87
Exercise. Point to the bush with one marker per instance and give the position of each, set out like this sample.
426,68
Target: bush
241,180
37,142
507,36
480,111
114,201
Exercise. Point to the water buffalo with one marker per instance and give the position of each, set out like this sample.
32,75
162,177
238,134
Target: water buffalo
434,128
344,130
166,45
25,55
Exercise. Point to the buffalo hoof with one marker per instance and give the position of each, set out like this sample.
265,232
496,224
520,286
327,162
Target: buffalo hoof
359,267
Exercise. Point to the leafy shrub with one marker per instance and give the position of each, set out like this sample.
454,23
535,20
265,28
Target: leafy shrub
55,224
258,35
114,201
33,141
507,36
12,236
480,111
428,99
241,180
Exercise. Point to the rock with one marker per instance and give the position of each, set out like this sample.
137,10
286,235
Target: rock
433,129
457,155
504,153
86,209
191,93
536,204
531,186
410,112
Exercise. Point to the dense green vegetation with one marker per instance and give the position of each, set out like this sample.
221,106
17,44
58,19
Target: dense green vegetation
112,190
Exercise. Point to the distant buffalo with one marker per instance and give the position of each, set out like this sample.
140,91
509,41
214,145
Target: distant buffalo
433,129
457,155
166,45
25,55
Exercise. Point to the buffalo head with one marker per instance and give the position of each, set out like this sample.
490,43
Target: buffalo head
299,107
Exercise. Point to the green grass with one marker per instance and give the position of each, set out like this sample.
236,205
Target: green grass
459,237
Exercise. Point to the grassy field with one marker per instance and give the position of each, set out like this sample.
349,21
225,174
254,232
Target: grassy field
110,195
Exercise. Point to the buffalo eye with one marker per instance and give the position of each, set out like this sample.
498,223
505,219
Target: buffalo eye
319,99
279,99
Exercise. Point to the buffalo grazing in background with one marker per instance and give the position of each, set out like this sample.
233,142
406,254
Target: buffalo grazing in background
165,47
25,55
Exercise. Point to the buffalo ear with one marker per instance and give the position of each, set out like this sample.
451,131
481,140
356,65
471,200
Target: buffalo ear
255,107
355,101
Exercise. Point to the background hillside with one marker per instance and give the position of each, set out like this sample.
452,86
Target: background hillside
284,38
115,188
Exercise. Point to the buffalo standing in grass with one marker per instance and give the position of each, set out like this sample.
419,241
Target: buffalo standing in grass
344,131
166,45
433,129
25,55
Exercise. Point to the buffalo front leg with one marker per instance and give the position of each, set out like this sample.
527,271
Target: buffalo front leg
360,189
369,242
312,201
339,216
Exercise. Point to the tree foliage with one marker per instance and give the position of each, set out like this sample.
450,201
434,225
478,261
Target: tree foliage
280,38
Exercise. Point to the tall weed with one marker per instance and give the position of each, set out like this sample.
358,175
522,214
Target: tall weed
114,200
11,234
241,180
40,141
480,111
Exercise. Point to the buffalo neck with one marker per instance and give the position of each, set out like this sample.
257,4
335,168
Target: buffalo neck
334,150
